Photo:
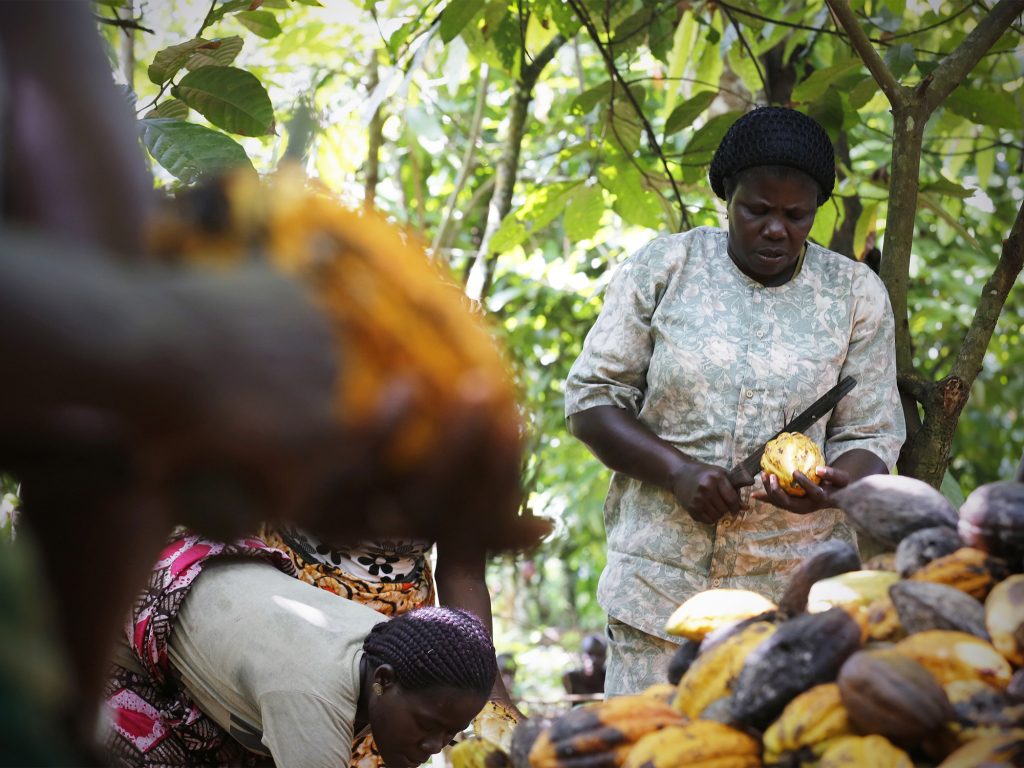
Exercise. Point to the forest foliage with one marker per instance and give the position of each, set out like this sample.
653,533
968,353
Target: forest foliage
533,144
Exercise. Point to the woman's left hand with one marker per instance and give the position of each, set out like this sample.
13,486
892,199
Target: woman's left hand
816,496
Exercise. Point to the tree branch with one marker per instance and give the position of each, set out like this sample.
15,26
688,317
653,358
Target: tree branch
125,24
747,48
467,158
652,139
898,95
958,64
991,302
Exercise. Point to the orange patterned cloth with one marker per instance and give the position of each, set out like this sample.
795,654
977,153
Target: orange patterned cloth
391,596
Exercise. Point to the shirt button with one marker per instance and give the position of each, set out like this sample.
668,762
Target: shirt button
760,334
716,582
749,393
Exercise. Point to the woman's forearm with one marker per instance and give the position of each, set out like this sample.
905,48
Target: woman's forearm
624,444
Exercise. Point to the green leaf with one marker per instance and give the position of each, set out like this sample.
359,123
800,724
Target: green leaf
900,59
590,98
510,233
175,109
544,204
314,3
946,187
828,111
820,80
230,98
583,214
456,15
863,92
684,115
216,53
951,489
682,54
825,222
866,224
262,23
508,44
634,202
566,20
710,134
986,107
190,151
167,62
934,205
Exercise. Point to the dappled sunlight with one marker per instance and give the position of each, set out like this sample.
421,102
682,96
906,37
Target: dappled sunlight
307,613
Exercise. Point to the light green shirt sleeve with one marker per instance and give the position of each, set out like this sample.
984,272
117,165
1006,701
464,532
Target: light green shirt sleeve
302,730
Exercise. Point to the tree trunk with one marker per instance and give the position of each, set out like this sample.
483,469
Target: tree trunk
926,452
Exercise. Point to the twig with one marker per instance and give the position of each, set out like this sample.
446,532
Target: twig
584,17
746,46
122,23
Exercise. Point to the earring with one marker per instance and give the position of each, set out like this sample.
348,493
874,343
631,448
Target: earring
378,689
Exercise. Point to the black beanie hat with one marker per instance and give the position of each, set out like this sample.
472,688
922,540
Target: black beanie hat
775,136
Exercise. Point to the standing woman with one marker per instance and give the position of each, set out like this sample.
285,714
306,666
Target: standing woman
707,341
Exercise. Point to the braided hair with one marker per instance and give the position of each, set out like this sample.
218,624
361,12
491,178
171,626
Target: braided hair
774,136
435,647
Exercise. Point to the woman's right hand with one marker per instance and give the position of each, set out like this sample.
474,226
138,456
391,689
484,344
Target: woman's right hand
704,491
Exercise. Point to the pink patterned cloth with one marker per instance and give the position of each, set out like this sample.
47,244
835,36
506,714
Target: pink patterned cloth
153,722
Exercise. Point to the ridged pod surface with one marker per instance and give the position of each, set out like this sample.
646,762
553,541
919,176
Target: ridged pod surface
892,696
700,744
992,519
921,547
600,735
810,720
792,452
803,652
478,753
923,605
950,656
891,507
1004,617
1003,750
827,559
713,608
711,675
981,710
968,569
862,752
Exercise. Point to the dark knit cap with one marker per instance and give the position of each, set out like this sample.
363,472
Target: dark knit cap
775,136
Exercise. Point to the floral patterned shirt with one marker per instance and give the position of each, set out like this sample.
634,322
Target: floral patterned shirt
713,362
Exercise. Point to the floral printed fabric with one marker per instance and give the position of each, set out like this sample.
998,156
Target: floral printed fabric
713,362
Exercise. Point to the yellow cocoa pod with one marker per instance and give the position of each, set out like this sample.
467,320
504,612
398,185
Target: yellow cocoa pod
397,316
478,753
951,655
495,723
968,569
660,691
711,675
700,744
602,733
863,751
713,608
1004,618
792,452
1005,749
883,623
810,720
853,590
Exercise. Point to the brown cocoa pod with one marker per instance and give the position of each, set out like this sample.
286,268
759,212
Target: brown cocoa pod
922,605
891,507
892,696
923,546
992,519
803,652
681,660
829,558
